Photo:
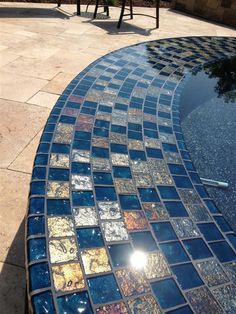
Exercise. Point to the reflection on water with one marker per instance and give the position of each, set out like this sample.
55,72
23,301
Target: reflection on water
138,260
208,115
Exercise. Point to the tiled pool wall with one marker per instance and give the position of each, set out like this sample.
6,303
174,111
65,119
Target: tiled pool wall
112,176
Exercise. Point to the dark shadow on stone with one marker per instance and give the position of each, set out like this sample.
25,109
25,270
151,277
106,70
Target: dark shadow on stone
12,276
17,12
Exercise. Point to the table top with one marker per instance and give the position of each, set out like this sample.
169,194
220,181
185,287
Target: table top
118,218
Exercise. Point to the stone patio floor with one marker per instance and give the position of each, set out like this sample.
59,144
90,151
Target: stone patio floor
41,50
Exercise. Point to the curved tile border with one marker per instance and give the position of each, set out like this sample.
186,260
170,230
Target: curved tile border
113,176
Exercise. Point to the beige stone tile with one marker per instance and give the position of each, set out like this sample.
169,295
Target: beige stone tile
6,57
2,47
13,205
58,83
20,124
10,40
19,87
24,161
12,280
43,99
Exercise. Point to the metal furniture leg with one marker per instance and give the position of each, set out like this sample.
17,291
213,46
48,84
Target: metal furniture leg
78,7
157,13
131,9
121,13
96,9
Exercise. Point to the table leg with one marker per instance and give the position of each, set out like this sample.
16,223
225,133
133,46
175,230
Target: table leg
121,13
157,13
78,7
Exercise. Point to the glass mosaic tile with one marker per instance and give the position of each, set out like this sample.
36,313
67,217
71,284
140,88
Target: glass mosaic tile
112,190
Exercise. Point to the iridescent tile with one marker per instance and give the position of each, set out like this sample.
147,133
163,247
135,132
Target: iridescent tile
135,220
80,155
95,261
58,189
63,133
189,196
132,281
185,228
156,266
125,186
81,182
144,304
162,178
149,117
157,165
120,159
155,211
85,216
212,273
198,212
139,166
84,119
59,160
114,308
152,142
63,250
203,302
68,277
118,138
173,158
60,227
168,138
109,210
100,142
103,116
101,164
135,144
84,127
115,231
226,296
230,268
143,179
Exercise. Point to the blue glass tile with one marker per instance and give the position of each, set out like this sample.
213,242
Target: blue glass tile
148,195
81,168
79,135
36,225
37,188
137,155
74,303
36,205
101,132
129,202
102,178
174,252
49,127
169,148
100,152
222,223
118,129
122,172
88,111
154,153
223,251
201,191
43,303
232,240
118,148
177,169
195,177
36,249
105,108
58,207
149,111
185,155
84,145
105,194
39,173
135,135
210,231
120,254
67,119
149,125
103,289
164,231
143,241
197,248
83,198
41,160
167,293
187,276
135,127
43,148
168,192
181,310
58,174
39,276
151,134
182,182
163,114
46,137
165,129
102,124
212,207
90,237
189,165
90,104
60,148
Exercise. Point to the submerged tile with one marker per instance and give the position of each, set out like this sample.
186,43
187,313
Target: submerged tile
125,186
185,228
135,220
144,304
81,182
95,261
155,211
60,227
156,266
63,133
114,308
80,155
109,210
58,189
120,159
85,216
115,231
226,296
101,164
59,160
63,250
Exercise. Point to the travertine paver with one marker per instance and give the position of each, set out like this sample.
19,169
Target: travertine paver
42,50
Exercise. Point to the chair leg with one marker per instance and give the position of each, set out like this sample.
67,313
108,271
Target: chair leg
131,9
96,9
157,13
78,7
58,3
121,13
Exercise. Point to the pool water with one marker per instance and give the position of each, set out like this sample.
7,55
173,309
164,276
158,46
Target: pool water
208,114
